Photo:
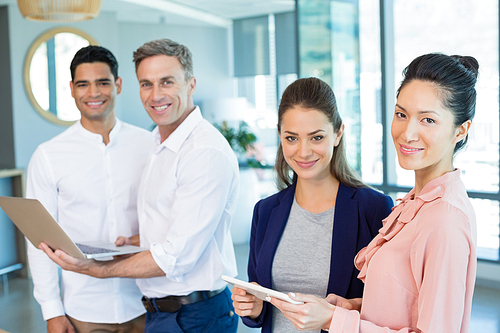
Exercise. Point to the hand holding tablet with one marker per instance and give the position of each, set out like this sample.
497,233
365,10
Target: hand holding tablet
259,291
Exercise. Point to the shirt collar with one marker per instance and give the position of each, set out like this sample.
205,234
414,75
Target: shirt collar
98,137
115,130
410,205
429,188
181,133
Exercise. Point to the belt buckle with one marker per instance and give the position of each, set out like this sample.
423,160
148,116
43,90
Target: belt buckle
148,304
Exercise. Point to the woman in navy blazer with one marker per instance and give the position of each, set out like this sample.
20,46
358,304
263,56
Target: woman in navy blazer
358,212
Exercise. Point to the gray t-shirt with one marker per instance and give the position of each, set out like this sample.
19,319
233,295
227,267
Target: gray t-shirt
302,260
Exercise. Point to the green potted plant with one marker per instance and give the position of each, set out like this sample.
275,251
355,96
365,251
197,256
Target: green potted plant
241,140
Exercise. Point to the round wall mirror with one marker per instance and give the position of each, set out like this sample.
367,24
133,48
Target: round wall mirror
47,74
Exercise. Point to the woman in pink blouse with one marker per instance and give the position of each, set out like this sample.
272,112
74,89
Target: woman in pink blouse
419,271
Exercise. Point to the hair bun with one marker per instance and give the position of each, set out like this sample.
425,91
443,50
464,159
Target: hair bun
468,62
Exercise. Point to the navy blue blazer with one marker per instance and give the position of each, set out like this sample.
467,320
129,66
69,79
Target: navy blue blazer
357,218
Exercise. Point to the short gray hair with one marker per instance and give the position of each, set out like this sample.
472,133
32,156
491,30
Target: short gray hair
169,48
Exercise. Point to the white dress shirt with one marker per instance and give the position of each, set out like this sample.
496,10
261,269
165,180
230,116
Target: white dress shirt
91,189
186,201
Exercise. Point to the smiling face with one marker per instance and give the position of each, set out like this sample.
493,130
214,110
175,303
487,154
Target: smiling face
165,93
423,130
308,141
94,89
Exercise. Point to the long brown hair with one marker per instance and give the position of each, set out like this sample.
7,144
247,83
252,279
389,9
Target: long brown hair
312,93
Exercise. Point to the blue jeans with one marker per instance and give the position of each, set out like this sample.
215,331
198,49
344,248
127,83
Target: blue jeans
213,315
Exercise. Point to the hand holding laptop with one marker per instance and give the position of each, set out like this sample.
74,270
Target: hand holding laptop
67,262
134,241
36,223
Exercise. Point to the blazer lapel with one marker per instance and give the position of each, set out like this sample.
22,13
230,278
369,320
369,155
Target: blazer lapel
344,240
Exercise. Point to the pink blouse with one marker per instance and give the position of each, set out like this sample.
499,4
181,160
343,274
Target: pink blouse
419,271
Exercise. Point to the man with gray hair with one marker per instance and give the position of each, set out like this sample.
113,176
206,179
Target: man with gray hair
186,201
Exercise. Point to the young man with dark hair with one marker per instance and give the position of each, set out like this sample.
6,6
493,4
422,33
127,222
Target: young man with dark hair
88,177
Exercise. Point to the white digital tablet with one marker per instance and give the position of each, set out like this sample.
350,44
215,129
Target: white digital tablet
259,291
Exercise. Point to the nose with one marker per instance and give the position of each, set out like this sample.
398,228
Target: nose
410,132
304,149
94,90
156,93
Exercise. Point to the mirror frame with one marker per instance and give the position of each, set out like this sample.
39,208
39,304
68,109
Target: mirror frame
46,114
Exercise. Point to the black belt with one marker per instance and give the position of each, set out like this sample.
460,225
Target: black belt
174,303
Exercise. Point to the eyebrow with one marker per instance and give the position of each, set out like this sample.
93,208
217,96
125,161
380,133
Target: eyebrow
419,112
169,77
87,81
312,133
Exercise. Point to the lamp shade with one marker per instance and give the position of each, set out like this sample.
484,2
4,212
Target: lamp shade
59,10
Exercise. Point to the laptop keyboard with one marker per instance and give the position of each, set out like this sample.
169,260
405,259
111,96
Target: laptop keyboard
92,250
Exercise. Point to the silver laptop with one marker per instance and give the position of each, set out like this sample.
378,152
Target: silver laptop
36,223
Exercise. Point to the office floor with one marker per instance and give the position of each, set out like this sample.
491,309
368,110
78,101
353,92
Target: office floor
19,312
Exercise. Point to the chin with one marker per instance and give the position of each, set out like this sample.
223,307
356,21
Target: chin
409,167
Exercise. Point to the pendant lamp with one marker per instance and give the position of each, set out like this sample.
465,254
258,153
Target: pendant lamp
59,10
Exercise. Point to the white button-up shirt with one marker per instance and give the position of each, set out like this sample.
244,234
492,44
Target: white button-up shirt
91,189
186,201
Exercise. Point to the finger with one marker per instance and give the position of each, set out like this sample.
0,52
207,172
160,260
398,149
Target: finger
347,305
243,313
59,257
244,306
277,302
239,291
332,299
121,241
244,299
48,251
302,297
66,258
284,306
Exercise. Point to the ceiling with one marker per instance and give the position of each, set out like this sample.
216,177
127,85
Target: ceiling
190,12
194,12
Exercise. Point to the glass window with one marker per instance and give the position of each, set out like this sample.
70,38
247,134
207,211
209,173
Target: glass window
345,72
487,219
49,74
370,83
260,113
339,42
465,28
